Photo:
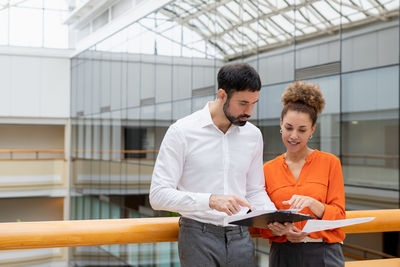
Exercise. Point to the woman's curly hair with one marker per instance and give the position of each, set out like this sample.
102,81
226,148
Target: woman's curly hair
303,97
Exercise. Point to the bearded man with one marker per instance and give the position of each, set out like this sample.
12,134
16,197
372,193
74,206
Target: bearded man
210,165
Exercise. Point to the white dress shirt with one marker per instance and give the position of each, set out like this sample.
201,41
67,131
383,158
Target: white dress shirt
196,159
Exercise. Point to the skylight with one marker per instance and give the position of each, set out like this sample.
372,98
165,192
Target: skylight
233,27
34,23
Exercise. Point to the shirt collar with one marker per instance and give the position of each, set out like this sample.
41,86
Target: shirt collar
206,120
205,117
309,158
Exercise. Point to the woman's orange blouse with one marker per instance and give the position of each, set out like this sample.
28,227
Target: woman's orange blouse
320,178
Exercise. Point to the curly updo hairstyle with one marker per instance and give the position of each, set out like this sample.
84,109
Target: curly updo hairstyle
303,97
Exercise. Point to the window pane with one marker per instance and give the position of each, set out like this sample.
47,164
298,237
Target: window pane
55,33
26,27
56,4
370,127
31,3
3,27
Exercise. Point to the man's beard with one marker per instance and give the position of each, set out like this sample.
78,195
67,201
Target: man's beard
234,120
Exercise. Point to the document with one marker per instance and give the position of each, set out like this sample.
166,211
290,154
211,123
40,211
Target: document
261,218
320,225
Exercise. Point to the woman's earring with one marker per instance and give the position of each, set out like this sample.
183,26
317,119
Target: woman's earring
310,137
280,130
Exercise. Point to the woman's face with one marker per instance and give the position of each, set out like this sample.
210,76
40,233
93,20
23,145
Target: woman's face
296,130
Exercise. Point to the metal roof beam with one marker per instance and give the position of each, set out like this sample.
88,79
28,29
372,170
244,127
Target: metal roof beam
265,16
170,39
174,17
8,4
357,8
208,8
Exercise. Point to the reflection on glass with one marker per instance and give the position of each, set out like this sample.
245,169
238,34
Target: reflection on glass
370,133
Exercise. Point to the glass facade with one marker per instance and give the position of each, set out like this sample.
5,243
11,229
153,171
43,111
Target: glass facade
127,90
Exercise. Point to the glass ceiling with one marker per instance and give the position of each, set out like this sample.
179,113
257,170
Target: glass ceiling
34,23
235,28
225,29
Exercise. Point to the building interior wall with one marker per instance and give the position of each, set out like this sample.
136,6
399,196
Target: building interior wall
32,137
29,209
34,85
122,102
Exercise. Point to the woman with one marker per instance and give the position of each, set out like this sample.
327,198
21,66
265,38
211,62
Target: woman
305,179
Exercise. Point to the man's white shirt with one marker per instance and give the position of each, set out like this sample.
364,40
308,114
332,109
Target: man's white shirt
196,159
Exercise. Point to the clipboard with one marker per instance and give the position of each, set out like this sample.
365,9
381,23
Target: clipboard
261,218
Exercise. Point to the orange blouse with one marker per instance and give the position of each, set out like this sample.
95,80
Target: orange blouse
320,178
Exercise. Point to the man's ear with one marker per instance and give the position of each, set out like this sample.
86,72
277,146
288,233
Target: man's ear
222,95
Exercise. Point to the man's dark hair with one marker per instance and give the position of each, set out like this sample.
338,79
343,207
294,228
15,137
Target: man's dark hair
238,77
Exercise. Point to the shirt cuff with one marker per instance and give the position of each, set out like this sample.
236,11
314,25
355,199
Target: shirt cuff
203,201
267,206
331,213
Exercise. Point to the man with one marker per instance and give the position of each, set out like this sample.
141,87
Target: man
209,167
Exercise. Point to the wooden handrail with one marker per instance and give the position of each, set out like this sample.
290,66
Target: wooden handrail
117,151
370,156
34,154
31,151
367,250
26,235
363,156
385,221
7,151
32,159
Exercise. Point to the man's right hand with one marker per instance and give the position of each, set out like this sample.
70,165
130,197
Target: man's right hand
230,204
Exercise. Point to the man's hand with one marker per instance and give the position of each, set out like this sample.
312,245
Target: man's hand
230,204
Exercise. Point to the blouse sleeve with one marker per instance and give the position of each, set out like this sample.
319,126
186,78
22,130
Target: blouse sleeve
335,199
266,233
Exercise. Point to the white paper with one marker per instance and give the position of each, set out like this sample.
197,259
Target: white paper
320,225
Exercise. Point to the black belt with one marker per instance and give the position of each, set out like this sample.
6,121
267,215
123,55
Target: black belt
208,227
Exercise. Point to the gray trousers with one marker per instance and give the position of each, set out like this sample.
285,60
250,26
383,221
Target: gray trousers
312,254
203,244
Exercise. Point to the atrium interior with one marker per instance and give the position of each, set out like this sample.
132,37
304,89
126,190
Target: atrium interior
90,87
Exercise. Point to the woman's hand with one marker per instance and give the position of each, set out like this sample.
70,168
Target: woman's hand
280,229
301,202
294,235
